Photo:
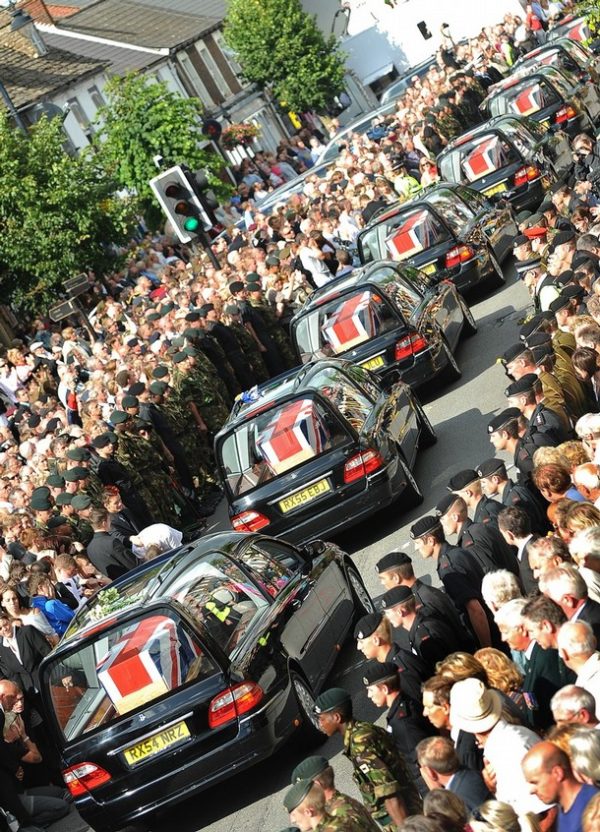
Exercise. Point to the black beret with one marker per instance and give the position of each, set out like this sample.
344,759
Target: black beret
117,417
426,525
158,388
153,316
236,286
542,352
254,287
538,339
232,309
547,205
573,291
310,768
392,559
52,425
179,357
56,521
206,308
33,421
491,466
129,401
160,372
561,302
520,240
462,480
376,672
331,700
138,387
523,266
76,473
179,340
81,502
563,237
502,419
445,504
296,794
582,258
367,625
40,502
64,499
78,454
564,278
202,313
513,352
532,325
55,481
102,440
395,596
189,352
522,385
193,316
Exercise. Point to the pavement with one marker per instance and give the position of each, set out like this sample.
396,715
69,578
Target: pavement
252,799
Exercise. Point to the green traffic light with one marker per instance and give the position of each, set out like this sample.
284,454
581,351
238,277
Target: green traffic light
191,224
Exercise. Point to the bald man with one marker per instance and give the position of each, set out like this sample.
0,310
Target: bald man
548,771
587,481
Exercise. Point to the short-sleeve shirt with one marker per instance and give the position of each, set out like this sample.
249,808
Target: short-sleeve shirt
571,821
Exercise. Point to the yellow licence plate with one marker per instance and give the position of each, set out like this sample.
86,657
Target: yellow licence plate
497,189
429,268
545,125
373,363
156,743
305,496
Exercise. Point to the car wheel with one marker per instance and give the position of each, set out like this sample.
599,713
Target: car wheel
427,434
412,494
453,371
310,735
469,323
497,278
363,603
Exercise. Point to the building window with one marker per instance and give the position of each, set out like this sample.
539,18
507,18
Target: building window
96,97
214,70
80,116
228,53
195,80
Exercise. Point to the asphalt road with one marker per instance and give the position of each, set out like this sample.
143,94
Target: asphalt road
252,799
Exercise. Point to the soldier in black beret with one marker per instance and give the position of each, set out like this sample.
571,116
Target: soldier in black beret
504,434
482,510
396,569
460,574
405,720
495,482
524,395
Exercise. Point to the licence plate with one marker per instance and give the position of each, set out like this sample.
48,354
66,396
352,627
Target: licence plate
305,496
429,268
373,363
156,743
496,189
545,124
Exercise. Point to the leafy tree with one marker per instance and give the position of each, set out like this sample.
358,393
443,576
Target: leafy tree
58,214
144,118
277,43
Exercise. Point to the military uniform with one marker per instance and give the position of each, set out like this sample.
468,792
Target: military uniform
432,639
487,511
380,771
234,354
350,812
330,823
276,333
413,671
113,472
525,448
564,340
198,388
408,726
251,352
436,603
518,496
487,545
554,401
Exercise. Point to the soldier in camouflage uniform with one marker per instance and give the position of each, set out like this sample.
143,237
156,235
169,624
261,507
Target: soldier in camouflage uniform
337,804
209,348
147,472
197,391
78,521
380,772
271,325
305,802
247,343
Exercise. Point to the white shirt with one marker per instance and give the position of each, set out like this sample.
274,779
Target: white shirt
589,678
592,581
505,748
11,643
317,267
521,548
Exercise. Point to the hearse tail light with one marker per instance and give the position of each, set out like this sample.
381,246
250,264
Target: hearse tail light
84,777
526,174
408,345
232,702
361,464
458,255
249,521
565,113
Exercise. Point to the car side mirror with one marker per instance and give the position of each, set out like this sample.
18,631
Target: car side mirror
313,549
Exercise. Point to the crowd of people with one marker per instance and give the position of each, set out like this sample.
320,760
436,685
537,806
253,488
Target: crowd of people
106,455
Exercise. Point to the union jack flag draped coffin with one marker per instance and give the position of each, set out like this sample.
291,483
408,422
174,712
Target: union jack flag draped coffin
528,101
351,323
294,434
483,159
413,236
151,657
579,31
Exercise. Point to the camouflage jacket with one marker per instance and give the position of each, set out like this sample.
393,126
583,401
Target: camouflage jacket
348,809
380,771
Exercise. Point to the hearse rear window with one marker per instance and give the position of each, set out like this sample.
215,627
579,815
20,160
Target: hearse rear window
524,99
413,233
275,441
343,323
478,158
125,668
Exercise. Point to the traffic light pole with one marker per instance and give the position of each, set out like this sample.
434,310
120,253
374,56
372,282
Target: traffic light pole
206,245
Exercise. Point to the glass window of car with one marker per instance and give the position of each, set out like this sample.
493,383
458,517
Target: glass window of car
123,669
473,199
344,323
277,440
220,597
272,566
336,387
364,380
525,98
409,233
404,284
452,209
521,136
484,154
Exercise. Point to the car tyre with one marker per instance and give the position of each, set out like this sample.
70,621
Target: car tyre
469,324
310,736
452,371
496,278
427,434
363,603
412,495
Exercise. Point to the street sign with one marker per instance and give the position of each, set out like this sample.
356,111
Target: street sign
77,285
62,310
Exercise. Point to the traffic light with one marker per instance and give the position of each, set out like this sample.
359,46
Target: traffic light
175,189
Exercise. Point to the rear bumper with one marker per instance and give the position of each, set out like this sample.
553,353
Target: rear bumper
471,274
256,740
427,365
525,198
382,489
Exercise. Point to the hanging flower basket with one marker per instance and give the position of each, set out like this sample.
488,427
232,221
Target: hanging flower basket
239,134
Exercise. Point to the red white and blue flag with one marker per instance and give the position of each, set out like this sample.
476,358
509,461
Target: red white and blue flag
486,158
351,324
413,236
294,434
528,101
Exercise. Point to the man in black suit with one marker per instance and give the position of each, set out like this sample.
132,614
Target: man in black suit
123,524
514,525
440,769
565,586
108,555
21,652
